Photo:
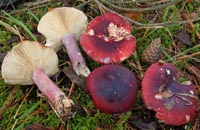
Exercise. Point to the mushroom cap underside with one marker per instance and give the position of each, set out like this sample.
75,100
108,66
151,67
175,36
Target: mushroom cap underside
18,65
60,21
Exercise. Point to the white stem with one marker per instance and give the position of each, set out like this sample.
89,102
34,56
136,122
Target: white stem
59,102
75,55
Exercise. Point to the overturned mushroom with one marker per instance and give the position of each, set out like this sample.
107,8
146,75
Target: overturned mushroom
64,25
113,88
28,63
108,39
175,103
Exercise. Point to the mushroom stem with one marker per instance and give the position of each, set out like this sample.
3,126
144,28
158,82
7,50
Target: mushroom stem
75,55
59,102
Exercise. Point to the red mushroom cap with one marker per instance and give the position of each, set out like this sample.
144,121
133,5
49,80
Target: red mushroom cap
113,88
175,103
108,39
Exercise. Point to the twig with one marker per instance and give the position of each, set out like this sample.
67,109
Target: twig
186,51
23,102
35,3
83,4
139,67
71,89
188,56
167,23
137,1
193,70
31,8
192,25
139,9
8,101
109,10
146,25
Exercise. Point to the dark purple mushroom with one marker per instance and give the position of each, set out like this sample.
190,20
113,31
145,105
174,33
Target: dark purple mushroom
113,88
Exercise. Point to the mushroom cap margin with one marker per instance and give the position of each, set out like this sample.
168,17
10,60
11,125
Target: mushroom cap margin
60,21
18,65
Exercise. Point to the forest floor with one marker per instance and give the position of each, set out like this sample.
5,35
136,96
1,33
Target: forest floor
176,23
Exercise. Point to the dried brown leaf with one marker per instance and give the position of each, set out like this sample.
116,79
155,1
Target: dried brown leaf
183,36
189,16
80,81
132,15
143,125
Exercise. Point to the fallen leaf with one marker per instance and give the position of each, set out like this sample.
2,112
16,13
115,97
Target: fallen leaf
80,81
194,70
184,37
139,123
132,15
191,16
186,16
37,126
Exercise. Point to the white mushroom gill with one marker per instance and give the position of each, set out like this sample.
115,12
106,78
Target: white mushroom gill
31,63
60,21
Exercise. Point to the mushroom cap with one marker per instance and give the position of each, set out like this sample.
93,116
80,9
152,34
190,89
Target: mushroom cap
60,21
113,88
18,65
108,39
175,103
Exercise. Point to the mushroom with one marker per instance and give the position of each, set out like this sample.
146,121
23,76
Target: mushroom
29,62
113,88
64,25
175,103
108,39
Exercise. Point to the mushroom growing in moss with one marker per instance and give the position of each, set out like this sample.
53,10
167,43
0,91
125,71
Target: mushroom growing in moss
175,103
29,62
64,25
108,39
113,88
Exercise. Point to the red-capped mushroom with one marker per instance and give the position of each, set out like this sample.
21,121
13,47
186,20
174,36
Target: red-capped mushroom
108,39
175,103
113,88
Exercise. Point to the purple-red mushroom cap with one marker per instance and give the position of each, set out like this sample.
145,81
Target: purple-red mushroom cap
175,103
113,88
108,39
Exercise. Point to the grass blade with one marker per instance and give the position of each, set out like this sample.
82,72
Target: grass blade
11,18
8,27
167,55
29,111
33,15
